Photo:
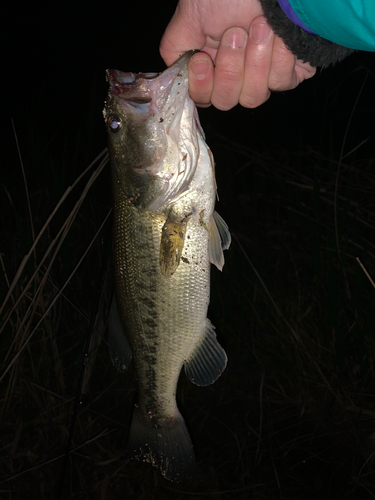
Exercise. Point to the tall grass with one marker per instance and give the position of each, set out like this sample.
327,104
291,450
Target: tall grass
293,415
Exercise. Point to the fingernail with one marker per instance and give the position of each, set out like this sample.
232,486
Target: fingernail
200,69
260,31
235,39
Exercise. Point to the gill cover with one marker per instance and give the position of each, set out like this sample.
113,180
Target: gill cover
153,130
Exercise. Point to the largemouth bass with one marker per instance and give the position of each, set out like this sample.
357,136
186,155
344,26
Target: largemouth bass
166,234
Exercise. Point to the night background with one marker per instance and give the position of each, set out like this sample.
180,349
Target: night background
293,415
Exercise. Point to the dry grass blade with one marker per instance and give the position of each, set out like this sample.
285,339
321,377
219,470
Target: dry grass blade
266,290
23,331
339,165
366,272
101,434
42,231
30,307
57,296
58,241
24,182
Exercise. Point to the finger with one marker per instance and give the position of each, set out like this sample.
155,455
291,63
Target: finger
258,61
304,70
184,32
201,73
229,68
282,74
286,72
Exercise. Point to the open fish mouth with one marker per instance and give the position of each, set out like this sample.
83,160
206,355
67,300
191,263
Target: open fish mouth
117,77
140,88
153,112
130,86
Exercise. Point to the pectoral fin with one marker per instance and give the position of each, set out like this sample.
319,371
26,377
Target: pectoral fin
119,348
223,229
208,361
172,243
219,240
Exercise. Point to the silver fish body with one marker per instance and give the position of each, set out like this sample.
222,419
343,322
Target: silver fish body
166,234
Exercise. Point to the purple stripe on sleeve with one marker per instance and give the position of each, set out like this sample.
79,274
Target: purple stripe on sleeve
285,5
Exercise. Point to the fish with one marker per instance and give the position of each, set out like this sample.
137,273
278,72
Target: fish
166,234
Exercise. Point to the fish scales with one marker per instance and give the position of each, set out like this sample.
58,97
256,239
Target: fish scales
165,237
149,300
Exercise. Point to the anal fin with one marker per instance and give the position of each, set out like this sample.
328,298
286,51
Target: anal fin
208,360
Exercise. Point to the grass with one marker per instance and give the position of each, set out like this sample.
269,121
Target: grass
292,416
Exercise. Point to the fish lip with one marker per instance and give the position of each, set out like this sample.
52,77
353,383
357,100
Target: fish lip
180,63
137,87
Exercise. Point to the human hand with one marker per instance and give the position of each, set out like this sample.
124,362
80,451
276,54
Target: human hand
241,61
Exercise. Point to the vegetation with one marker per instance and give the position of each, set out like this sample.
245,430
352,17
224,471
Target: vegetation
293,415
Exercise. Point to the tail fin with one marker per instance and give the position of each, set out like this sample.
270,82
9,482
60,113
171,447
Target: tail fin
166,446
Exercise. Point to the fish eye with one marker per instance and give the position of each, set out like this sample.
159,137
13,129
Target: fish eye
114,123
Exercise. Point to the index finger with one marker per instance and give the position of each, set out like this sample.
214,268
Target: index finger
201,79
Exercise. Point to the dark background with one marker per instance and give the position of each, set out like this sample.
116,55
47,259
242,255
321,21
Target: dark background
276,424
57,54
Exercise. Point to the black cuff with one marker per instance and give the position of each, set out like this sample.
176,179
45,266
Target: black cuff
310,48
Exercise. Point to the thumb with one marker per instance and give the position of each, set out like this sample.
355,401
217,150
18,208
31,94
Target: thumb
183,33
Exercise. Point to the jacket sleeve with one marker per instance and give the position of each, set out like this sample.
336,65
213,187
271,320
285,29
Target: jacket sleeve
346,22
312,48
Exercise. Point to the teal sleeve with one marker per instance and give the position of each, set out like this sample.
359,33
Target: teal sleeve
347,22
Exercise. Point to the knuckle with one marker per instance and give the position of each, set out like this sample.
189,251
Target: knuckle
227,87
278,85
223,102
228,74
254,99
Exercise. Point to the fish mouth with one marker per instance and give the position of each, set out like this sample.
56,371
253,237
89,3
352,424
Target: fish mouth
140,88
161,120
130,86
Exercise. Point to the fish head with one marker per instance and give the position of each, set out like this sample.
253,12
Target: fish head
153,129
